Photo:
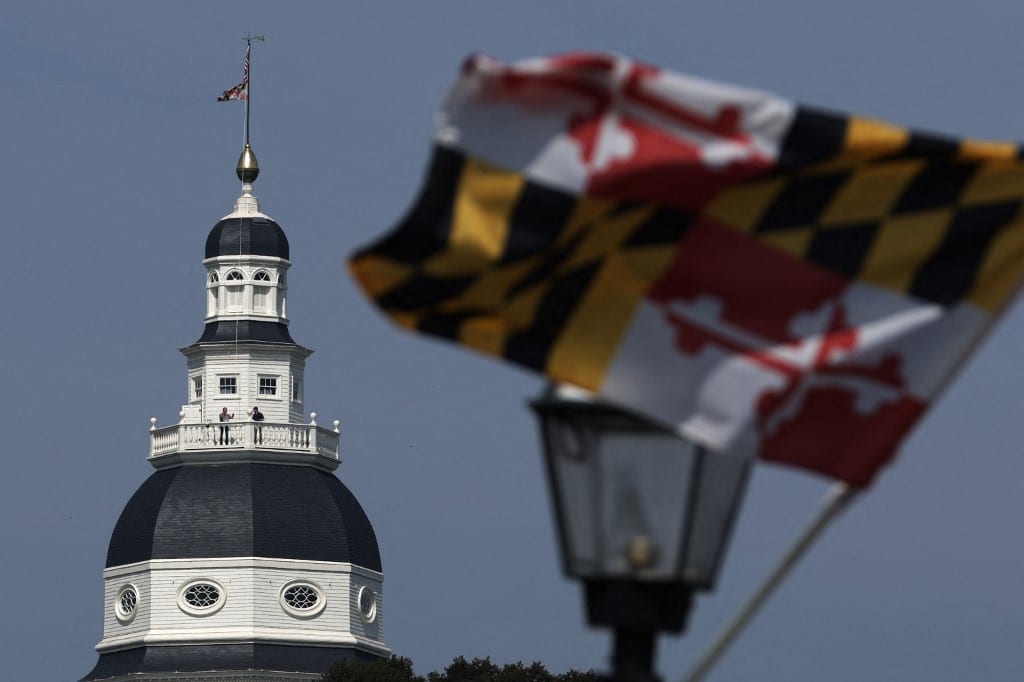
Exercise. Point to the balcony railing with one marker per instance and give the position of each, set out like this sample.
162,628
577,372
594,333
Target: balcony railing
299,438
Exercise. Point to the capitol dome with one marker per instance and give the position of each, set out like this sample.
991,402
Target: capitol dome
244,509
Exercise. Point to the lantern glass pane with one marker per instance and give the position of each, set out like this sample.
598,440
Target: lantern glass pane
722,484
572,471
622,499
645,482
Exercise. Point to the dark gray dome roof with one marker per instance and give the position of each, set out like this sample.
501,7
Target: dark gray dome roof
249,331
243,510
247,236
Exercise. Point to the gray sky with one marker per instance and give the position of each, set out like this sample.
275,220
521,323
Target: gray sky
116,161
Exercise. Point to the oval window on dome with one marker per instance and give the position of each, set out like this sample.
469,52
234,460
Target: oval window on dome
126,603
367,601
201,597
302,599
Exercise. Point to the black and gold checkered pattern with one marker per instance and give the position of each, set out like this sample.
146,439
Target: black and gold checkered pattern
550,280
936,218
519,270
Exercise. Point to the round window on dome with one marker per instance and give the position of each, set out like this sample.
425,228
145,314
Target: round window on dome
201,597
302,599
126,603
367,601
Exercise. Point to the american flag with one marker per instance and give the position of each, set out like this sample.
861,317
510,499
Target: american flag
240,91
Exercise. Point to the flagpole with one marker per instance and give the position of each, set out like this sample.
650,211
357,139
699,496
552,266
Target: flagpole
248,83
249,87
249,37
835,501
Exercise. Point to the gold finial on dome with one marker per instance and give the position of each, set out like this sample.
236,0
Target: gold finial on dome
248,169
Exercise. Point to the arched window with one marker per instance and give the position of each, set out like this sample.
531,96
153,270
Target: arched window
261,294
213,294
234,302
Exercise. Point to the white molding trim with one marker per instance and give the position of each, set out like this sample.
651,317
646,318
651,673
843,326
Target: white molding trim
243,456
247,258
239,635
216,349
241,562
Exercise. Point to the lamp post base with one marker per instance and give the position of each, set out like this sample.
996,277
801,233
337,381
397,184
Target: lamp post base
633,656
636,611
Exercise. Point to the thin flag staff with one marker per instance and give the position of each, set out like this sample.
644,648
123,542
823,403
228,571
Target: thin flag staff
241,91
247,169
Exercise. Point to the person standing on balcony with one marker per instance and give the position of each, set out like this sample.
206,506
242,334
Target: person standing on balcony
257,416
224,417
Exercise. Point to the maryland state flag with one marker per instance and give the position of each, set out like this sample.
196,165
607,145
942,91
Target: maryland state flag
773,280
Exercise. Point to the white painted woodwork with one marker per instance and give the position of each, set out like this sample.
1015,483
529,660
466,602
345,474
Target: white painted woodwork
247,363
268,375
223,304
279,443
252,610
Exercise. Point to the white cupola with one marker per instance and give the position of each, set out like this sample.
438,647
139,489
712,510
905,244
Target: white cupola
246,358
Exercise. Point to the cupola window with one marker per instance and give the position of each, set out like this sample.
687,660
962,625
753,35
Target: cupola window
213,294
126,603
261,294
268,386
228,385
367,601
234,293
197,388
302,599
201,597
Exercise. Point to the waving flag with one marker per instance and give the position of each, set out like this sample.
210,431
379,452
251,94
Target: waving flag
240,91
771,279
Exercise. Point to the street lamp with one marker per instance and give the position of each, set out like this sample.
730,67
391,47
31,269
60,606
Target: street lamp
643,518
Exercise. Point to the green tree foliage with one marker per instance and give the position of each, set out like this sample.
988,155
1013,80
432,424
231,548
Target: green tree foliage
396,669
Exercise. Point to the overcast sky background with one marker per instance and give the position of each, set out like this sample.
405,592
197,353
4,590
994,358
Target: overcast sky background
116,160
